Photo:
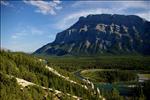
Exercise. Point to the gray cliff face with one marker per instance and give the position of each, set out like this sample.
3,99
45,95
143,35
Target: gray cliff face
99,34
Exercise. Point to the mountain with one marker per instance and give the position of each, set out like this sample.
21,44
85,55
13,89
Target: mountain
102,34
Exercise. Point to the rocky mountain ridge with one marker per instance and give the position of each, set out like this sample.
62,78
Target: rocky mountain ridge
102,34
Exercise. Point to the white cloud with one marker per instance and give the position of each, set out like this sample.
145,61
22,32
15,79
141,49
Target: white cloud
107,7
123,7
5,3
45,7
57,1
58,7
145,15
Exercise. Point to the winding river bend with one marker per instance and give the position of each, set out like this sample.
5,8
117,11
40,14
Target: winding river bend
124,88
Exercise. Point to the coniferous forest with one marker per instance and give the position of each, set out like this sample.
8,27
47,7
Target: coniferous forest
28,67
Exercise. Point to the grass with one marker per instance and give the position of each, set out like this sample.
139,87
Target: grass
147,75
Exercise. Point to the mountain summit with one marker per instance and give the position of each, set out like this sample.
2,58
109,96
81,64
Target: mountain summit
102,34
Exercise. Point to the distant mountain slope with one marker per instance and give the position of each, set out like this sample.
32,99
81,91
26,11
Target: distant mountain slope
101,34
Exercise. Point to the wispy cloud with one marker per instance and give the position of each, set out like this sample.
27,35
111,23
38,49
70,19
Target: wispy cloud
18,35
14,36
122,7
57,1
45,7
72,18
133,4
25,38
35,31
120,4
27,31
6,3
107,7
145,15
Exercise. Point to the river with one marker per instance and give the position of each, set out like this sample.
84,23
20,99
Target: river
125,89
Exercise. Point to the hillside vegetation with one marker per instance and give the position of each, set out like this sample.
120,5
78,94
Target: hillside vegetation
15,65
29,68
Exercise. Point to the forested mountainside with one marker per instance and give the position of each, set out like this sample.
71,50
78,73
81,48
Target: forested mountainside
25,76
16,66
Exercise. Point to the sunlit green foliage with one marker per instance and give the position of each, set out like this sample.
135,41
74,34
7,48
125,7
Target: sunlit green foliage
10,90
31,69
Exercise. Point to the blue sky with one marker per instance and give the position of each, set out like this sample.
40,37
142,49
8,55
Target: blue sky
28,25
